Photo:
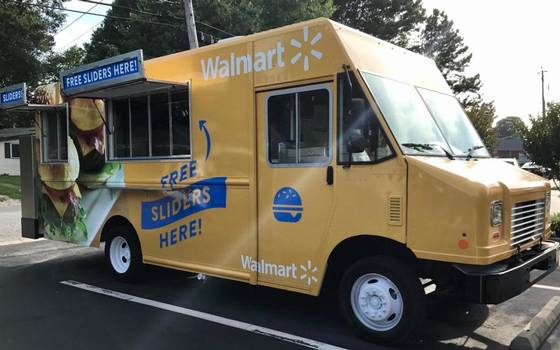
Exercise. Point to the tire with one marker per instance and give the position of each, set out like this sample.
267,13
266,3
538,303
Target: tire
383,300
123,253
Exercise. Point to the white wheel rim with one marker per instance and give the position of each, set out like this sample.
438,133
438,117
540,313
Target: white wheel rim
377,302
119,253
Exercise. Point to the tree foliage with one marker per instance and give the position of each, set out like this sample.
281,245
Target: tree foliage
390,20
27,33
443,43
59,61
510,126
219,19
482,115
542,142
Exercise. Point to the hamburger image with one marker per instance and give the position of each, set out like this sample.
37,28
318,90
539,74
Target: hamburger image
88,130
63,218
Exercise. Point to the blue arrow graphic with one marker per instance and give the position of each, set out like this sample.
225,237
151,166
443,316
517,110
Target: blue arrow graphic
202,125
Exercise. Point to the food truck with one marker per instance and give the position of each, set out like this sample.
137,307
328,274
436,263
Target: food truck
307,157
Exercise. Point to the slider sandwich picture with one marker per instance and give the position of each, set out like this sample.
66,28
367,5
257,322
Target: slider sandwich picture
62,214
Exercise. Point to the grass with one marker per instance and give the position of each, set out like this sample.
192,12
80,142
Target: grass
10,186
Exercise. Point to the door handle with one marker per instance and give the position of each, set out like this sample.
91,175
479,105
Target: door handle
330,175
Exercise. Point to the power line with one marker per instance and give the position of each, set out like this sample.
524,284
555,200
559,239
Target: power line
75,20
156,14
101,15
202,34
81,35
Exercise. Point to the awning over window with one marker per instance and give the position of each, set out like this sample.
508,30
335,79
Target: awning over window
13,96
32,107
127,89
117,76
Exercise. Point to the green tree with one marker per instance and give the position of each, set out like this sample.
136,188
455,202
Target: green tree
390,20
443,43
482,115
404,23
510,126
57,62
277,13
27,33
541,140
158,26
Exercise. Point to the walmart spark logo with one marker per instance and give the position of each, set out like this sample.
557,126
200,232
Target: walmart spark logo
308,272
315,53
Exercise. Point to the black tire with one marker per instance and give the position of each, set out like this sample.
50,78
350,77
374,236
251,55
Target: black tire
409,289
129,269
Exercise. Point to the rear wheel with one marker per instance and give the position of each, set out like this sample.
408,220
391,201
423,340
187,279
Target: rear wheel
123,253
383,300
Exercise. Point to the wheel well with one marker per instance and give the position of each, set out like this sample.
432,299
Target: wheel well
114,222
355,248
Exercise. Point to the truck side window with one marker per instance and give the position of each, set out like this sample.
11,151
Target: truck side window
180,123
299,127
355,116
121,136
54,134
151,125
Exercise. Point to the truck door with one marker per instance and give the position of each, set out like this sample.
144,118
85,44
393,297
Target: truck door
295,152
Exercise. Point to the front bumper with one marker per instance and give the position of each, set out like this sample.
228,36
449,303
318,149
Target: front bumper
493,284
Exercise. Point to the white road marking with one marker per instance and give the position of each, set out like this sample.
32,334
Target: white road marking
544,286
309,343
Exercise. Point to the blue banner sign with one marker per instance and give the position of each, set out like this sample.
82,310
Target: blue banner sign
115,70
202,195
13,96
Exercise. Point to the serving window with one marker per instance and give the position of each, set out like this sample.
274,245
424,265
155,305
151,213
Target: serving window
54,135
151,125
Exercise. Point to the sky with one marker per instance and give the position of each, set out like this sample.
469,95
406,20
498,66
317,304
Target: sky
510,40
80,31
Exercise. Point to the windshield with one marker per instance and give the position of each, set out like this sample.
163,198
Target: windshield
423,121
450,117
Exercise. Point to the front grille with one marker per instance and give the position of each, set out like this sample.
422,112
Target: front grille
527,221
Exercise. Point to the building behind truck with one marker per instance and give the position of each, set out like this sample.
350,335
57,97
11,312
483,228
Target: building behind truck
9,149
302,158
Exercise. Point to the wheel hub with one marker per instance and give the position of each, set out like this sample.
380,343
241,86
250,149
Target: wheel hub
377,302
120,254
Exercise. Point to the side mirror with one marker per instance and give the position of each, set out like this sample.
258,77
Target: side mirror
357,143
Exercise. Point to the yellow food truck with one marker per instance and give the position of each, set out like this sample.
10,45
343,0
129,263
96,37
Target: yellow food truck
307,157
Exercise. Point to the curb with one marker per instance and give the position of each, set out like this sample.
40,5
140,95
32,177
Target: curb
537,331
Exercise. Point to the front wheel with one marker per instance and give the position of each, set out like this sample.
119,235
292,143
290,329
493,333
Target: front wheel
123,253
383,299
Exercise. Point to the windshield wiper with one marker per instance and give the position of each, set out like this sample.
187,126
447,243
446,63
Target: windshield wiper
471,150
428,147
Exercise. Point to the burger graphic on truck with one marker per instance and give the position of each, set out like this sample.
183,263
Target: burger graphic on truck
62,214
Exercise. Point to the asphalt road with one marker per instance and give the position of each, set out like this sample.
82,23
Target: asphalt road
38,311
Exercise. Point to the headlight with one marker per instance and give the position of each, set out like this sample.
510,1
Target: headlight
547,203
496,213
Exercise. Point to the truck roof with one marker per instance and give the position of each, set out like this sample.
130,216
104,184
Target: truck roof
362,51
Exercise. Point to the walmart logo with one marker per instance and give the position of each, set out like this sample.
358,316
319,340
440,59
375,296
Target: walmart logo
231,64
315,53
